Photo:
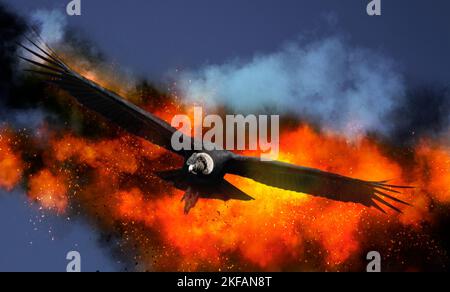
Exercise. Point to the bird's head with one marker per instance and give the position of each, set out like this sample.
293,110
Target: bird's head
200,163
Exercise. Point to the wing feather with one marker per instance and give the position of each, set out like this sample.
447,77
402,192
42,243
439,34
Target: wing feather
100,100
314,182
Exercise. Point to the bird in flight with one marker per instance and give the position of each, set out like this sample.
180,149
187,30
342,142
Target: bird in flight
203,172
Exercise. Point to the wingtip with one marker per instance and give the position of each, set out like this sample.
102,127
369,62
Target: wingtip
385,203
375,205
44,52
380,193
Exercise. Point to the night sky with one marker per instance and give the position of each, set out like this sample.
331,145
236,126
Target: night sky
154,38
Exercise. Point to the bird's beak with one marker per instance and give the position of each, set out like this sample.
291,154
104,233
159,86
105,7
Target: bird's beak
191,168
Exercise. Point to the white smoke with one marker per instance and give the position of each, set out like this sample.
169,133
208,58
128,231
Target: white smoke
343,88
52,25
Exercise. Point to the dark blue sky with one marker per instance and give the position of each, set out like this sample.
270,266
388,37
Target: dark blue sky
153,37
37,241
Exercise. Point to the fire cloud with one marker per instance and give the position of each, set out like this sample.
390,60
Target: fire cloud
112,182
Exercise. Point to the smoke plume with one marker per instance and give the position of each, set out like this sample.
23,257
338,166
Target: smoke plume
343,88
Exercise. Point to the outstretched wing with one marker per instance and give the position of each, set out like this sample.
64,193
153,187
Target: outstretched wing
314,182
100,100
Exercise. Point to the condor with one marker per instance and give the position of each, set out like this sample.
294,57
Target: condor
203,173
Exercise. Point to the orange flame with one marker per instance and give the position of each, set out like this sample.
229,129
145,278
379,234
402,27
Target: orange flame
11,165
277,231
434,163
49,191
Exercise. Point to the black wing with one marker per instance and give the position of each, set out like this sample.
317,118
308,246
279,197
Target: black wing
102,101
314,182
